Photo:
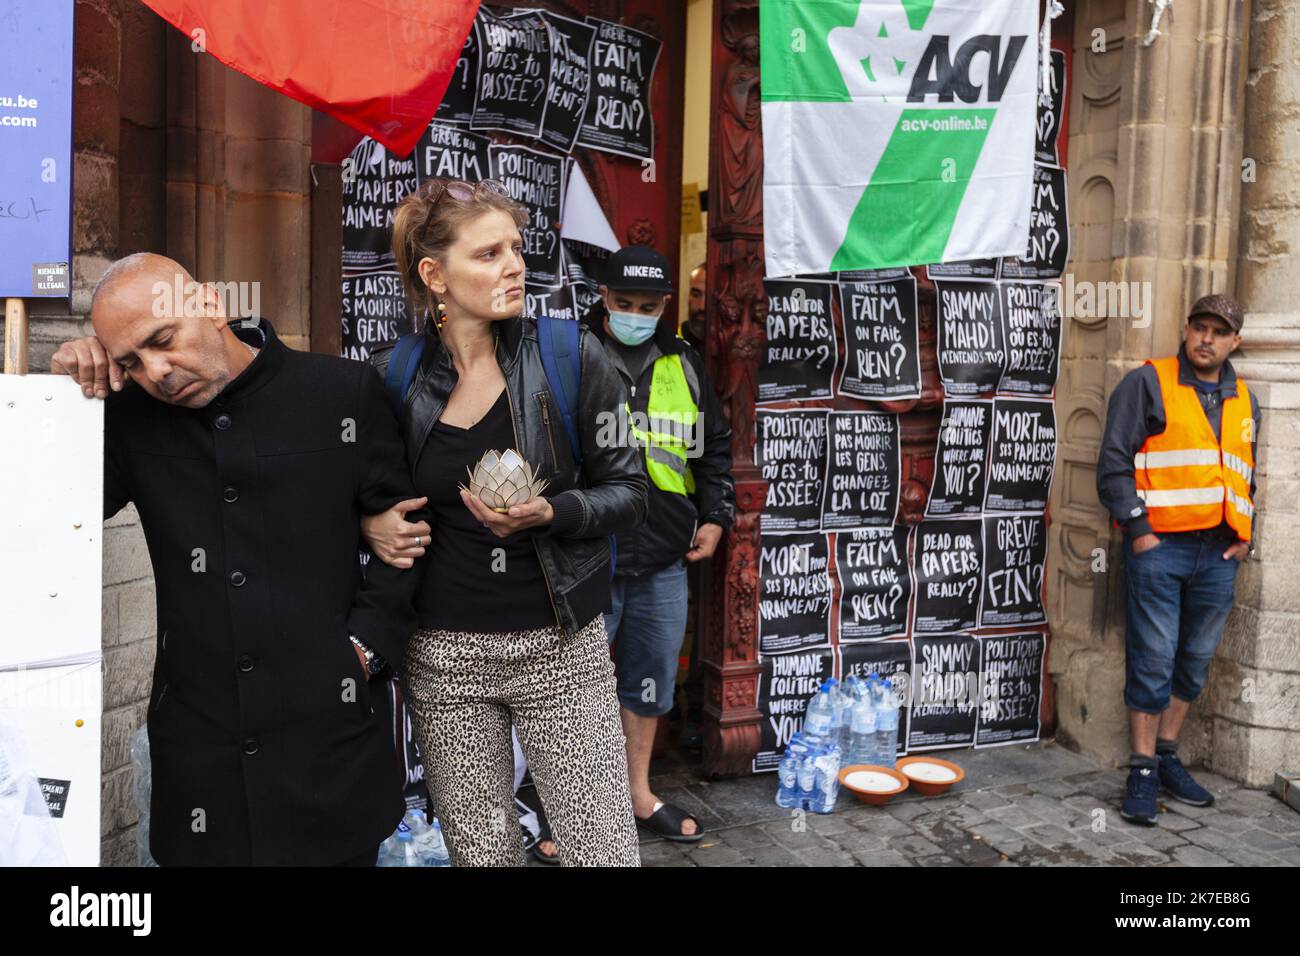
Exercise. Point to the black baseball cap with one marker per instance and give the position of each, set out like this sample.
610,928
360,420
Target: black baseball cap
637,269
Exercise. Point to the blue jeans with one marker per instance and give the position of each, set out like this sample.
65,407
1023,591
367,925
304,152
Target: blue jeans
1179,595
647,624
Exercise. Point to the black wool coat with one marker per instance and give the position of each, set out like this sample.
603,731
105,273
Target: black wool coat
264,743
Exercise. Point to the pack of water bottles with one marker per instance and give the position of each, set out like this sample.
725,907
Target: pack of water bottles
869,716
416,843
853,723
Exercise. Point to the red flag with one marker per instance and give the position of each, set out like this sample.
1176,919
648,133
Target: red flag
381,66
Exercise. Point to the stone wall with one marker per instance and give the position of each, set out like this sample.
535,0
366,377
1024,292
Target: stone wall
1254,699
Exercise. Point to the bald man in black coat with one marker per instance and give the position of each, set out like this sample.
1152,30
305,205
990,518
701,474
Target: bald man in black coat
250,465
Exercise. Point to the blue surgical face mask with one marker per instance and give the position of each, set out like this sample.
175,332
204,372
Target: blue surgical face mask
632,328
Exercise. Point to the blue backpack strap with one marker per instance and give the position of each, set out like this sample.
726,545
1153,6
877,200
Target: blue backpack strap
562,362
402,366
559,348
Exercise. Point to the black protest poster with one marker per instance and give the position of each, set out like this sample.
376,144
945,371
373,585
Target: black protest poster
408,747
584,298
1051,108
55,792
786,683
374,311
535,179
566,97
618,116
790,450
1049,230
514,73
875,583
799,358
888,659
374,182
970,345
946,568
557,303
584,270
1031,323
1013,688
794,605
882,348
964,269
1015,547
448,152
1021,456
945,692
862,470
960,459
585,263
457,104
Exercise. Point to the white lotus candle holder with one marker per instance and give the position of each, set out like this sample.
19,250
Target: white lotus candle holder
503,479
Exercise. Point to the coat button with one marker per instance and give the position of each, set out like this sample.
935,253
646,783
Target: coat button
231,494
250,746
246,663
222,421
237,578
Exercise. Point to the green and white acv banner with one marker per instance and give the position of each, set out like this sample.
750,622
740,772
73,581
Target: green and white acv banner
896,132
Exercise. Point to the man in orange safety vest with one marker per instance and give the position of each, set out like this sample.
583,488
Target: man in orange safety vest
1177,471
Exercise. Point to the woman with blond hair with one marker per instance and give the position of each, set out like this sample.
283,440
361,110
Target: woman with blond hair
510,612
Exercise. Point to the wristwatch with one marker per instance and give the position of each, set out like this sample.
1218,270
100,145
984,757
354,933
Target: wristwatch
374,663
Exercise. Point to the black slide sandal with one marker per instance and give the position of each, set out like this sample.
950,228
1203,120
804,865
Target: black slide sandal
543,836
667,822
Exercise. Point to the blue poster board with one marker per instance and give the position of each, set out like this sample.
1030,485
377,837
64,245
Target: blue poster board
35,147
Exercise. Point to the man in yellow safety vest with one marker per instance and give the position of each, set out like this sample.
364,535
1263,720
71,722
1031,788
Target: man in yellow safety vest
673,414
1177,471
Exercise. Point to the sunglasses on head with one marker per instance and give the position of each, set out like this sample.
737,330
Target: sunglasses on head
464,192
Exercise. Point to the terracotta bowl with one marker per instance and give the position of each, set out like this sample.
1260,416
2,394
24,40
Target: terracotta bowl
930,788
875,797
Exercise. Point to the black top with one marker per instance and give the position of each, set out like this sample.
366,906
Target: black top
474,581
1137,411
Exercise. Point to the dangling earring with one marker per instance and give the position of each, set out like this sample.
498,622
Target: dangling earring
442,316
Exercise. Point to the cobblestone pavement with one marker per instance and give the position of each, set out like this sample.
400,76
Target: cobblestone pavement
1026,805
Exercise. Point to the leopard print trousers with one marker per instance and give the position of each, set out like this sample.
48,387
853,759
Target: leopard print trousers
465,688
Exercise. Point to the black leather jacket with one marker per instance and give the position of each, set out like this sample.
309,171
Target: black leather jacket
607,497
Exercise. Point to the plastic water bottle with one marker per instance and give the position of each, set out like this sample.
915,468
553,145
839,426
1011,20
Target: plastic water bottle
849,692
807,776
817,721
407,853
398,849
787,772
879,703
889,726
142,787
416,823
827,779
837,706
863,730
434,848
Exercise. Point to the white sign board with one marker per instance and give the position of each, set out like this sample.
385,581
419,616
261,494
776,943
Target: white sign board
51,502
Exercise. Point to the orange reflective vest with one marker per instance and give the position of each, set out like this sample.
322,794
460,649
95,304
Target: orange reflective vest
1188,479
